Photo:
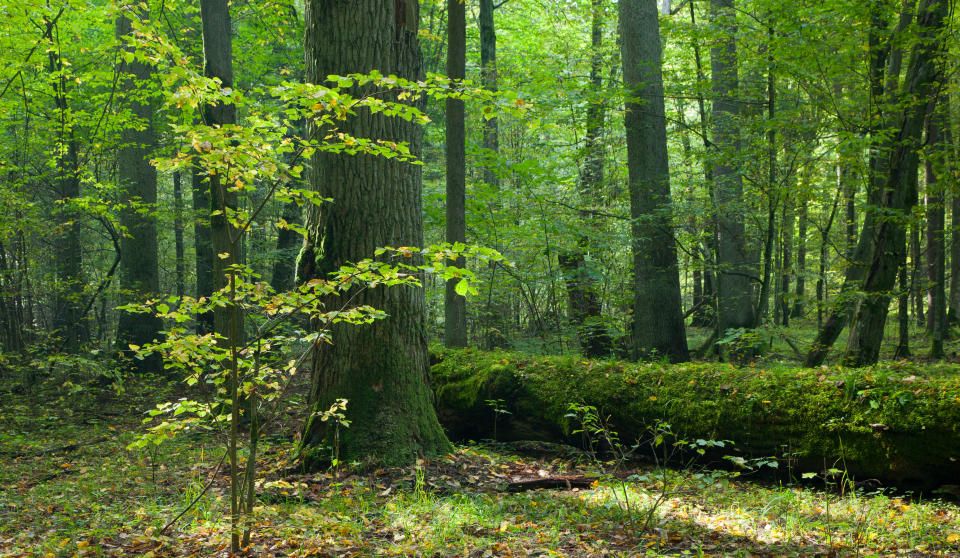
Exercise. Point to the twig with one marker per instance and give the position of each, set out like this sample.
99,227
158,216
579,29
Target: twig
197,499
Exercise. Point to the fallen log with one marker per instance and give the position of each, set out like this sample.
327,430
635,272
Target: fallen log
561,482
802,418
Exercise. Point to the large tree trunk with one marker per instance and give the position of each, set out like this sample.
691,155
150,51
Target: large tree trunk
139,275
455,305
381,368
734,274
899,190
657,308
285,266
180,267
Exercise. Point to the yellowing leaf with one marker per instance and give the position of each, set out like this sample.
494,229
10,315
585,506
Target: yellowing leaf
952,538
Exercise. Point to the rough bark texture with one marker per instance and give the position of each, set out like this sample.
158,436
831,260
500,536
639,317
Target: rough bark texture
202,245
139,275
180,268
899,190
734,291
455,305
657,309
381,369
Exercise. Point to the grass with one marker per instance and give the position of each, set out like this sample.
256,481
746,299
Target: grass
71,488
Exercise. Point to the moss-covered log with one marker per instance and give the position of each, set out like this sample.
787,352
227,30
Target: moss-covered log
897,423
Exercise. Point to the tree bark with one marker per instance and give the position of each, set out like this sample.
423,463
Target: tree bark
284,268
734,274
455,305
899,190
139,268
936,248
657,308
381,368
68,318
180,271
488,79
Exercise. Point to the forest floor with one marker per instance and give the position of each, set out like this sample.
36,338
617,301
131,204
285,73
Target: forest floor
70,487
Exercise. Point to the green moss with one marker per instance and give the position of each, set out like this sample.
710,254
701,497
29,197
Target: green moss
897,422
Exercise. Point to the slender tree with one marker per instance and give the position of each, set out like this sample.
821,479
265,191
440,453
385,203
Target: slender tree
657,309
381,369
936,246
455,305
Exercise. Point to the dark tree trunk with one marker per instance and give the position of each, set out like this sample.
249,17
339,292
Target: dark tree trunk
800,290
773,191
488,79
903,313
657,308
224,237
455,305
139,269
899,189
950,138
916,272
785,261
180,271
734,273
381,368
68,320
284,268
936,248
203,245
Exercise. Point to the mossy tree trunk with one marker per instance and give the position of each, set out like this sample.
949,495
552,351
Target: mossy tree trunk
381,369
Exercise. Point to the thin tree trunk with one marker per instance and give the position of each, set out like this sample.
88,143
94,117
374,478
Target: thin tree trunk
180,272
488,79
288,244
785,262
903,314
936,248
455,305
657,308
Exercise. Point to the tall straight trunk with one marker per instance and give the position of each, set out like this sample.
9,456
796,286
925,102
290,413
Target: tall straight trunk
380,368
903,313
950,140
581,283
657,308
899,188
68,319
773,194
488,79
735,293
916,274
224,237
288,243
936,248
455,305
180,271
203,245
786,232
800,289
139,267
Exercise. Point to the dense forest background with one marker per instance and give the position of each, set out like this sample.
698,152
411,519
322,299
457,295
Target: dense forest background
360,230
